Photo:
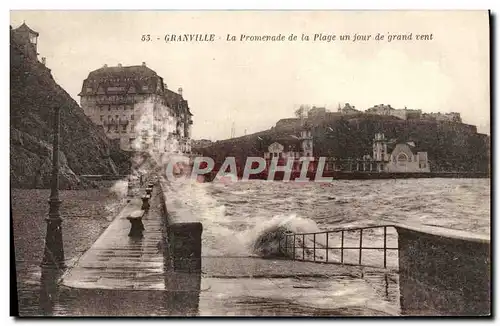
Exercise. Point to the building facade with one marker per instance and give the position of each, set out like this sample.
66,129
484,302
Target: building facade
348,109
291,148
399,157
449,116
388,110
135,108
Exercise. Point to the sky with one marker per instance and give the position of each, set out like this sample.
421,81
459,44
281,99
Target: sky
254,84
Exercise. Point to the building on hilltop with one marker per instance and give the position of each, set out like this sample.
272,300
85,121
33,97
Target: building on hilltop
28,39
292,147
135,107
403,114
288,122
348,109
201,143
387,110
317,112
450,117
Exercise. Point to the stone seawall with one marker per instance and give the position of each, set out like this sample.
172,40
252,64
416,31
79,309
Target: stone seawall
183,239
443,273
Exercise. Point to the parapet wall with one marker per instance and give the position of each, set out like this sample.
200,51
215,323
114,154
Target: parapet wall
443,274
183,240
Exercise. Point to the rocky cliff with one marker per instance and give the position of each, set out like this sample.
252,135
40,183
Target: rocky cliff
85,149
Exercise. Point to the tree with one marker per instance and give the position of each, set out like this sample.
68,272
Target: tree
302,111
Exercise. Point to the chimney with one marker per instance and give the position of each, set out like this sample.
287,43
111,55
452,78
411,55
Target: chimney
120,65
105,66
143,64
165,86
180,91
44,61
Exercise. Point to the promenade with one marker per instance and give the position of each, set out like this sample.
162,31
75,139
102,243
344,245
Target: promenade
122,276
117,261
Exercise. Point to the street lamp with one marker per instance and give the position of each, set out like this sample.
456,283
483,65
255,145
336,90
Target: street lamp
54,252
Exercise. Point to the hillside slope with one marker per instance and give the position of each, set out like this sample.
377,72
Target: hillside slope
85,148
450,146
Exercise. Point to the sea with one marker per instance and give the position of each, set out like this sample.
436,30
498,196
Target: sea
250,218
235,214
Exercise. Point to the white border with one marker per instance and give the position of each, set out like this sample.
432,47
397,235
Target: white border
191,5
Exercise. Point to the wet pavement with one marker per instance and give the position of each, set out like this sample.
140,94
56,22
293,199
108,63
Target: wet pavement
117,261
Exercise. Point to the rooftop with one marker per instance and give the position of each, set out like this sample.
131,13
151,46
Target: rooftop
25,28
119,71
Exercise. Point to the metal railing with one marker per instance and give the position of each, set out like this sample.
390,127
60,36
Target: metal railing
321,248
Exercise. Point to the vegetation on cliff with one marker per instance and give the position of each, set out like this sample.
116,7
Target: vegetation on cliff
85,148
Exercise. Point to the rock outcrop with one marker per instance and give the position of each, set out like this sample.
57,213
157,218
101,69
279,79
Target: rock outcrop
85,149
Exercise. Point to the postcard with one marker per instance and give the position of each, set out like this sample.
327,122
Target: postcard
250,163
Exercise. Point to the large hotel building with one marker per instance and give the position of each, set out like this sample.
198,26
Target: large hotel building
135,107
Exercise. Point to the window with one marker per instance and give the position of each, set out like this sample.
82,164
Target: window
132,117
109,107
124,127
102,117
116,89
402,159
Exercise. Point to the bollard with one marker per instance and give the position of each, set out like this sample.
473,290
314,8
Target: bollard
184,242
136,228
129,191
145,202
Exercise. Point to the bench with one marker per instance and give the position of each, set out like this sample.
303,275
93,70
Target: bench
145,201
136,226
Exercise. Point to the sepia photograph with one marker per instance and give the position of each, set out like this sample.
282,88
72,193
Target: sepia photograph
231,163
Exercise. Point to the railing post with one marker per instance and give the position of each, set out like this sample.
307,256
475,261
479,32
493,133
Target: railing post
279,245
342,248
303,247
360,244
385,246
314,247
326,247
286,244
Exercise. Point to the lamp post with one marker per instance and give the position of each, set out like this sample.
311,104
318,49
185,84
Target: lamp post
54,251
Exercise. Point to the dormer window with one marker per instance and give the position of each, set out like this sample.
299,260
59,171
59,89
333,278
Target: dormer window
89,89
